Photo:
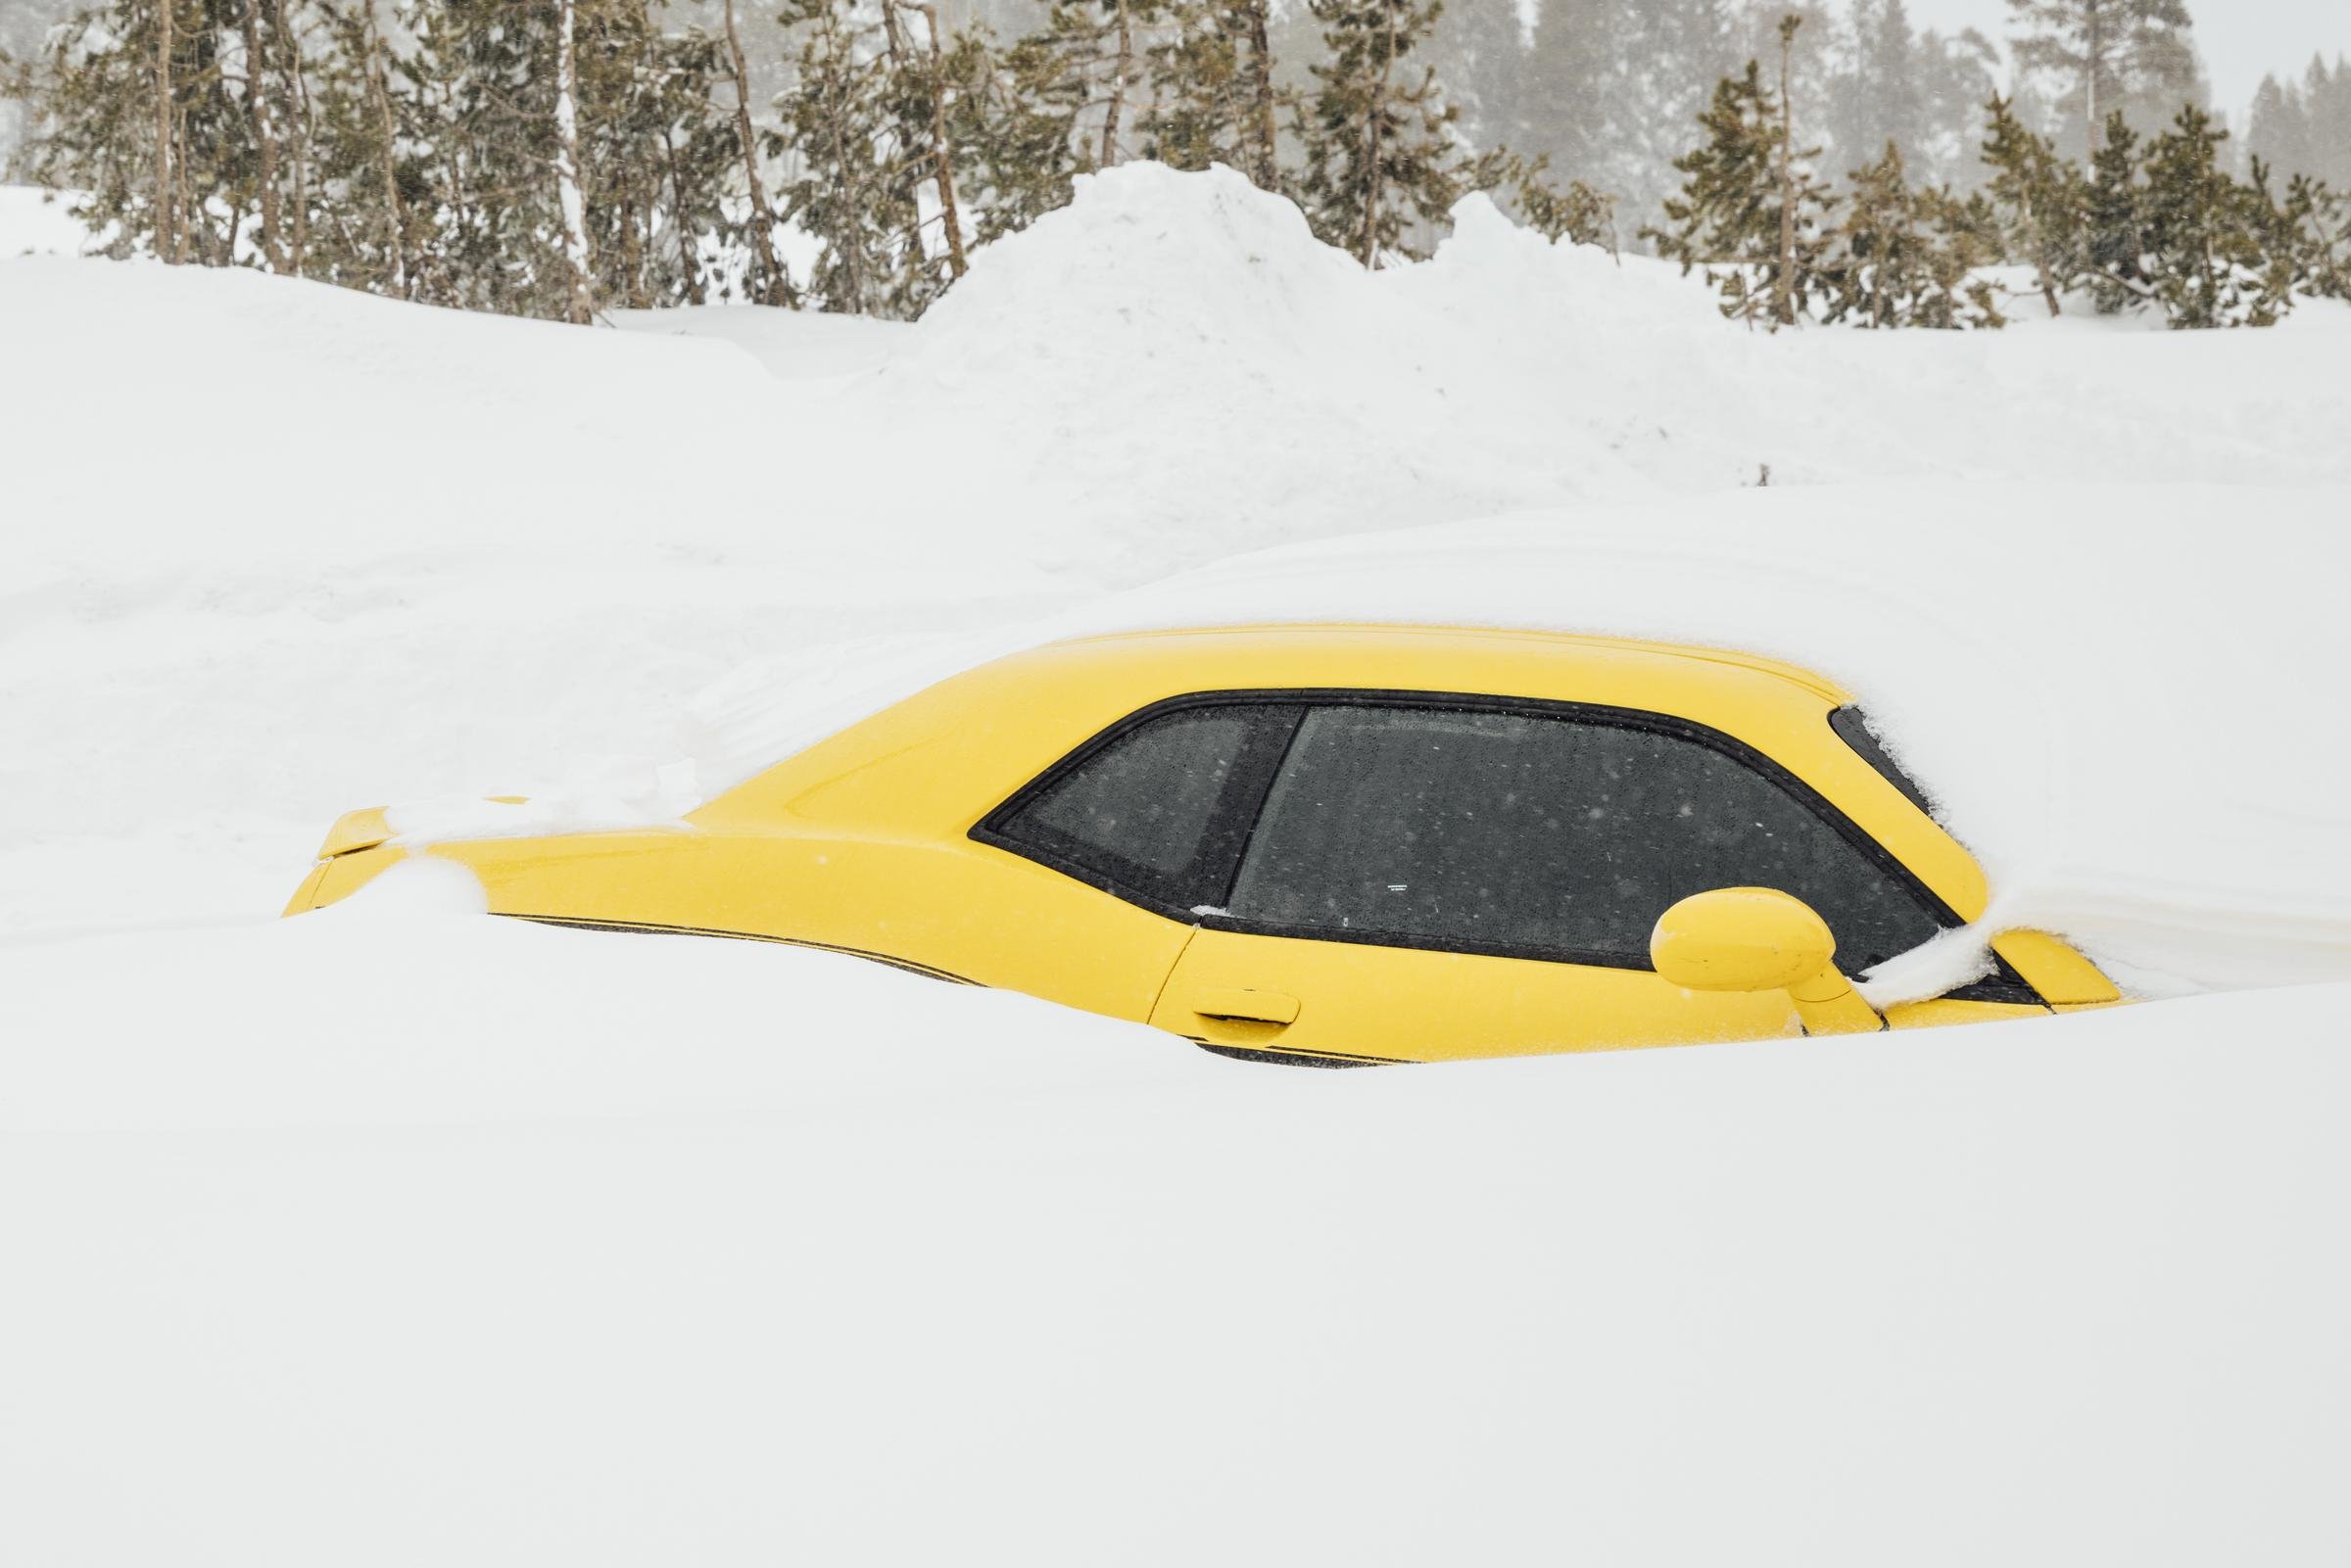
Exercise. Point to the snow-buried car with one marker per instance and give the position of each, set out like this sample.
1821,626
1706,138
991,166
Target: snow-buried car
1330,845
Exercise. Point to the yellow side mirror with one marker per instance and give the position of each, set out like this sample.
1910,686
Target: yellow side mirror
1749,939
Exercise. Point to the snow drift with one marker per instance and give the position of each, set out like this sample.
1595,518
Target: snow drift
376,1240
393,1233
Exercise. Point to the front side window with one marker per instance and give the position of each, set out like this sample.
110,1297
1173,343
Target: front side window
1548,835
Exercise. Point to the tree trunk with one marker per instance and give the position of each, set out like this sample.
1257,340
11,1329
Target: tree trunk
1369,250
581,305
773,287
288,53
1783,289
1118,88
184,204
852,258
949,219
379,98
688,264
264,133
1262,132
166,227
2097,61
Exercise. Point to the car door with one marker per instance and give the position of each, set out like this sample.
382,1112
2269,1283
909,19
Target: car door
1432,878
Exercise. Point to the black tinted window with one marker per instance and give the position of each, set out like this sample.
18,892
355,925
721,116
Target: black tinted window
1853,728
1149,811
1543,834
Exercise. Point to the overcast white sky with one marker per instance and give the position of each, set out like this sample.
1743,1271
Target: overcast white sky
2242,40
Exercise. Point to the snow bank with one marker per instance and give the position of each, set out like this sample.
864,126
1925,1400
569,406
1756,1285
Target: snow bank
572,1248
36,222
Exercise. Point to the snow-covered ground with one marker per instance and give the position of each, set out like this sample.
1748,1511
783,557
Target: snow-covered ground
394,1233
397,1236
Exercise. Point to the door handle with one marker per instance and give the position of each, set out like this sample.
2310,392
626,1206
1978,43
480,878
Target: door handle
1247,1005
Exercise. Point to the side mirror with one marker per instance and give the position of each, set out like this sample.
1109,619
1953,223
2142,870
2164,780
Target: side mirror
1749,939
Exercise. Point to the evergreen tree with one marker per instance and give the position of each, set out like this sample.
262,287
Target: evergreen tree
1575,211
2304,127
1098,49
1874,101
2040,201
1479,52
145,111
2279,130
1907,257
1212,92
2113,56
1012,119
2115,231
1956,75
2205,260
837,116
1749,209
1580,109
770,284
1378,136
1613,85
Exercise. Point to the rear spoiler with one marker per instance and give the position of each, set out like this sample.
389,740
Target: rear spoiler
353,831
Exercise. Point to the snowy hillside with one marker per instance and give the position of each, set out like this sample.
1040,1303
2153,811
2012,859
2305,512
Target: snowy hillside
395,1234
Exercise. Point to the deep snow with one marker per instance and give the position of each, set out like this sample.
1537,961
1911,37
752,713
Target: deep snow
396,1232
415,1236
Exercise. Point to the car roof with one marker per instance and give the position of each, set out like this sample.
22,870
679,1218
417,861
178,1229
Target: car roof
1501,639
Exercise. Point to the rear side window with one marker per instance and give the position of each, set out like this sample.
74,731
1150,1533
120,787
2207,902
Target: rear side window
1550,836
1156,810
1853,728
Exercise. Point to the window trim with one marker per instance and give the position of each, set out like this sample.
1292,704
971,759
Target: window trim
1237,816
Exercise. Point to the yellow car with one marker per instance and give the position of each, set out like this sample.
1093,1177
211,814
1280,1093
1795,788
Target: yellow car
1329,845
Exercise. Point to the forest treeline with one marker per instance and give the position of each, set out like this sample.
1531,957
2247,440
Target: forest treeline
556,157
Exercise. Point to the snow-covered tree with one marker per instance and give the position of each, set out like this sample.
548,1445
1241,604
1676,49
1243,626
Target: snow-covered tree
2206,263
2039,200
1908,255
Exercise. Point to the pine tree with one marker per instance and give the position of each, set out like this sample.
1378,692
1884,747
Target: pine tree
1575,211
1212,91
1013,121
836,115
1378,138
145,112
2040,201
1735,216
1580,86
770,284
2116,231
2112,54
2206,263
1907,257
1479,51
1876,99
